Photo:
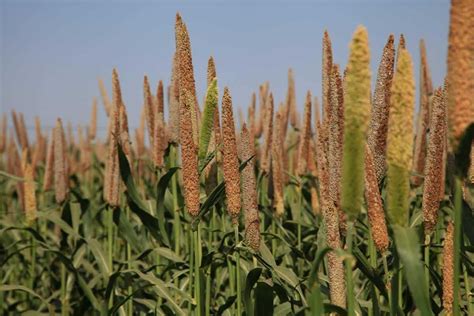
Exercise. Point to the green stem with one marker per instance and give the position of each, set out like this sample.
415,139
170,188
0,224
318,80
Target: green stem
191,261
348,263
237,270
174,190
129,265
197,262
457,242
427,260
373,264
110,236
385,270
33,262
208,275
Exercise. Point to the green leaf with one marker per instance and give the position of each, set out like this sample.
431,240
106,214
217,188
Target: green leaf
160,200
263,299
408,249
207,120
252,278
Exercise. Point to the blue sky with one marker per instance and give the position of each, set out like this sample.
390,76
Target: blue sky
52,52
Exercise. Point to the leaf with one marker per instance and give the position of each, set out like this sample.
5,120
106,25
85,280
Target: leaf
228,303
126,230
168,254
264,295
252,278
160,199
369,271
15,287
408,248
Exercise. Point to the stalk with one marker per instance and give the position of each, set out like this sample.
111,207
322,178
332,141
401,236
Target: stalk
174,190
349,280
457,242
427,260
197,262
208,276
110,236
237,268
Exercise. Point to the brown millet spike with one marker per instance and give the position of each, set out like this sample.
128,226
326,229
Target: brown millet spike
211,70
251,118
159,142
93,122
267,134
434,163
262,111
317,111
186,72
423,120
378,126
173,102
230,162
375,211
24,132
30,197
335,128
337,286
160,100
149,112
3,134
60,168
105,98
291,111
189,158
326,75
124,135
448,269
16,125
304,148
460,69
249,190
277,166
49,169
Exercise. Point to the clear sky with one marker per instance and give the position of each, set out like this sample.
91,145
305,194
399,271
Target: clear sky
52,52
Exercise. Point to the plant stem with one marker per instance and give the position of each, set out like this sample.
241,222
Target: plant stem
110,248
457,242
427,260
208,275
197,262
237,269
348,262
174,190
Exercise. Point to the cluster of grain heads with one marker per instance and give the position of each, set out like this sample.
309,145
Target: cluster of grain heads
337,284
105,98
335,129
400,140
460,70
61,176
305,137
423,120
189,157
277,166
291,111
230,161
159,142
356,116
93,122
326,75
186,74
30,193
149,112
265,160
111,177
448,269
375,211
249,190
49,167
20,129
378,126
173,103
434,163
3,134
